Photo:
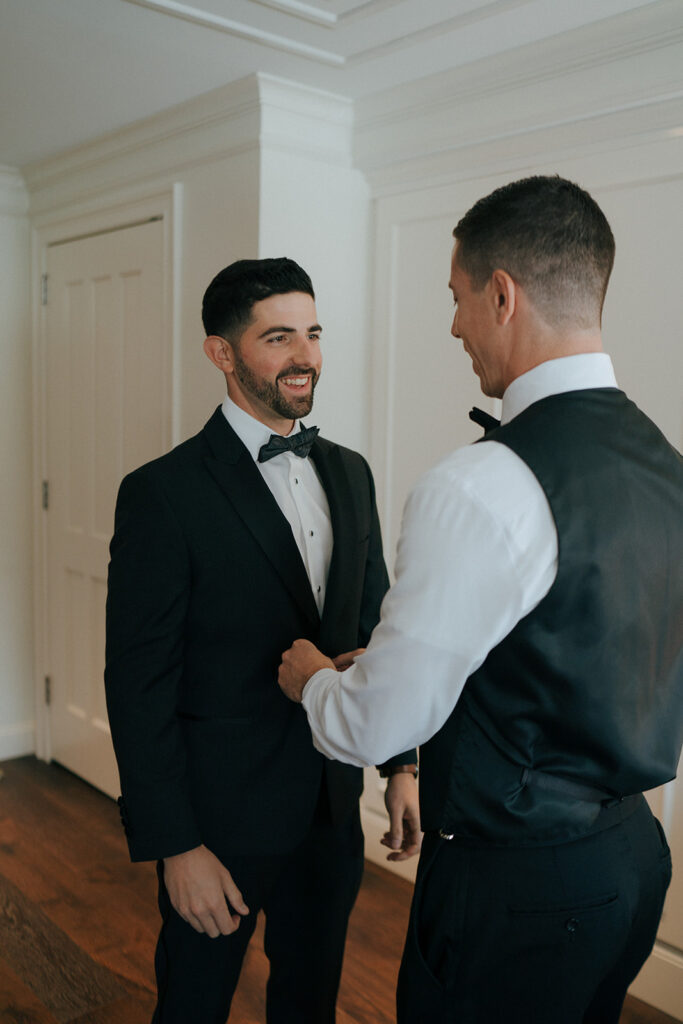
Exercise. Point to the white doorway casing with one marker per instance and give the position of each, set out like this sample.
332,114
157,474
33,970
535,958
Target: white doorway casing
104,402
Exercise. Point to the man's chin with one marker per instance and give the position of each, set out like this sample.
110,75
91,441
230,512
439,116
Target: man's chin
296,409
304,404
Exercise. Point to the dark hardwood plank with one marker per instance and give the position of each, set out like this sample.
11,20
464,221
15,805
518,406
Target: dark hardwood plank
64,864
18,1004
63,977
136,1007
61,841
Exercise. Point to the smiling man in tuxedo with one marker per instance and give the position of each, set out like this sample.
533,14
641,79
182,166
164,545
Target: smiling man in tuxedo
252,533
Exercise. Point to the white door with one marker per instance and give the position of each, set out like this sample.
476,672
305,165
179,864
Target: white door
107,410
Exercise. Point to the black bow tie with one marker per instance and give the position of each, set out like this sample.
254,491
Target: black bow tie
300,444
484,419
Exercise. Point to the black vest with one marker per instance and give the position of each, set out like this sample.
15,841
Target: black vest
582,703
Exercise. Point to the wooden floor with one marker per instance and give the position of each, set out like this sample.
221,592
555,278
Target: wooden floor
78,922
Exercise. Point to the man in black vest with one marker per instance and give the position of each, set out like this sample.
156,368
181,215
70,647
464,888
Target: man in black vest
225,550
539,586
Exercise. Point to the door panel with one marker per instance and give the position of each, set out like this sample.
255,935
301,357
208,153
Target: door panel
107,411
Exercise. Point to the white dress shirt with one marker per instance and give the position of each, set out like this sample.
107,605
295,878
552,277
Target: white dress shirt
296,488
476,553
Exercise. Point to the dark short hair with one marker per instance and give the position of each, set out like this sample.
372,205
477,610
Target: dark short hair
228,301
551,237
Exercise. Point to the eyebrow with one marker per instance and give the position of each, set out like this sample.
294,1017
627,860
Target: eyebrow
315,329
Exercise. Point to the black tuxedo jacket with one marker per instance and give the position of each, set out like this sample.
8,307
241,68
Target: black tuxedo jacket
206,589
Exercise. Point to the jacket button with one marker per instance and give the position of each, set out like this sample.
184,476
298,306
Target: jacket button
572,924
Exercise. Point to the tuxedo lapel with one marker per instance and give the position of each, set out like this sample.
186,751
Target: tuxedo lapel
233,468
327,459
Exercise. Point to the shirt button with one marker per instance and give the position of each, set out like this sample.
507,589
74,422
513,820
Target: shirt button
312,533
318,589
296,479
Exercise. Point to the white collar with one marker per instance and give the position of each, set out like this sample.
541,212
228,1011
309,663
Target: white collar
251,432
556,376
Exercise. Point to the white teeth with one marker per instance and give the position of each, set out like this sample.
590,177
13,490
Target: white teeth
295,381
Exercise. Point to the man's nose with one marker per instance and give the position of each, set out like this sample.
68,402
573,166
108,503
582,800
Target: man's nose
305,350
454,327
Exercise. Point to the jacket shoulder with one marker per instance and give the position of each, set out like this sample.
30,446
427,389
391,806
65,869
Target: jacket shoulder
350,458
174,463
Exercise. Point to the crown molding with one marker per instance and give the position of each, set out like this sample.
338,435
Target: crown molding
601,71
255,111
644,30
328,20
429,32
219,123
241,30
300,119
637,133
14,199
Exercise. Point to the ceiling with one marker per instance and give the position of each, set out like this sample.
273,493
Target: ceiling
72,70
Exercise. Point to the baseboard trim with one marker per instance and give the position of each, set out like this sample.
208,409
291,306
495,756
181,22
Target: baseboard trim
660,982
17,740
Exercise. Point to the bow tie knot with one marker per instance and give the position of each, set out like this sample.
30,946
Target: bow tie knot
299,444
484,419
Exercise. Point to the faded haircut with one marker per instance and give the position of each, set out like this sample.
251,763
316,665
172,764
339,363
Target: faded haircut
551,237
229,299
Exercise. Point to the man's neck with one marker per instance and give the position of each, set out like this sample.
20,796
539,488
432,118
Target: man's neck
542,346
260,412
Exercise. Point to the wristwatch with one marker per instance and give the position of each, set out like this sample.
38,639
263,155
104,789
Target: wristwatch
387,770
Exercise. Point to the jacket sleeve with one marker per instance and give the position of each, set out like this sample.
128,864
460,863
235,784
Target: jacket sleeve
147,601
375,587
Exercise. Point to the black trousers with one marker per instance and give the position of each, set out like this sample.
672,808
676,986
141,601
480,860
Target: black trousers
307,896
546,935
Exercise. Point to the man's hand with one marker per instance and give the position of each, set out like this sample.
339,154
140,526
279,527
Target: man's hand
344,661
199,887
299,663
402,803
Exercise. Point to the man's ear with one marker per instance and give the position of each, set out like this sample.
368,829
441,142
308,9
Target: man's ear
504,296
220,353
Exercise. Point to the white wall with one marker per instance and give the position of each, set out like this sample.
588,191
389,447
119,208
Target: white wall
315,207
16,610
643,328
219,225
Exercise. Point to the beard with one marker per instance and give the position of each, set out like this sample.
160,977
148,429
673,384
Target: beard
269,393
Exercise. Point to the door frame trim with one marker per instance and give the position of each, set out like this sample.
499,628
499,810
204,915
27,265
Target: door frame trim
165,203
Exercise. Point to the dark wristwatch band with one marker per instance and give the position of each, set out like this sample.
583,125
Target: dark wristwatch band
387,770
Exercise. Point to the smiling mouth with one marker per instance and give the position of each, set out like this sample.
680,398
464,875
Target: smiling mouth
294,378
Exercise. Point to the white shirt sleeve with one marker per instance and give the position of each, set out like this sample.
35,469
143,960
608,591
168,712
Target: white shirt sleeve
477,552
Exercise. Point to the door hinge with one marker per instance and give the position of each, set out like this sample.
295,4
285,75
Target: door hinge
48,690
43,289
46,494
